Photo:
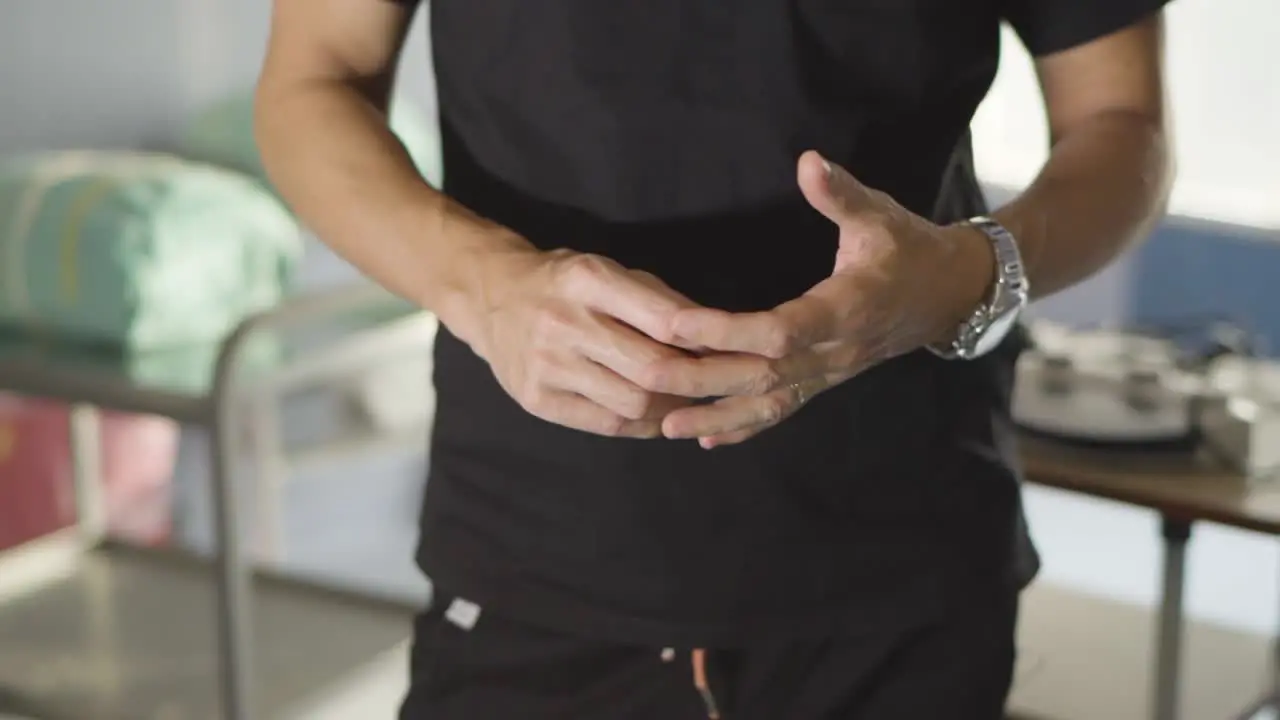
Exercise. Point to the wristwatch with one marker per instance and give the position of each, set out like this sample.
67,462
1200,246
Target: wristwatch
995,317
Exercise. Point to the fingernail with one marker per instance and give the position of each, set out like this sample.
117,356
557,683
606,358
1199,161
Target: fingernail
707,443
826,168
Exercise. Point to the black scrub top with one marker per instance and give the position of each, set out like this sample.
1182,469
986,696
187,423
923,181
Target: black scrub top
665,134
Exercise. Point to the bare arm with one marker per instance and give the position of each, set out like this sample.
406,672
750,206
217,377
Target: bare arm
322,124
901,282
568,336
1109,172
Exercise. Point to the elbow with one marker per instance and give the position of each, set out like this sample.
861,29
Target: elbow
279,104
1162,170
1148,135
1158,181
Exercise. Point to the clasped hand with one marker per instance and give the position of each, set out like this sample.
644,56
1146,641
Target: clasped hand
584,342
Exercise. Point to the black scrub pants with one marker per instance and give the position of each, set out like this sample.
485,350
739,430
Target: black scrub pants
955,668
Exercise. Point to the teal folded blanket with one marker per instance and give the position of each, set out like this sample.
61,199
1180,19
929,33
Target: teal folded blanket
141,251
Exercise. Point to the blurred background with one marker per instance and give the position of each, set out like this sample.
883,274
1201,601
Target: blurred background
111,95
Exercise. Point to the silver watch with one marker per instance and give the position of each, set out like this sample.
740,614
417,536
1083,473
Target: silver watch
993,319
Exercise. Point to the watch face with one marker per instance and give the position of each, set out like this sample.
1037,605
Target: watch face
996,331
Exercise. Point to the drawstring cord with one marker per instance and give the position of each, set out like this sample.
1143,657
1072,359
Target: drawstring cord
700,682
698,659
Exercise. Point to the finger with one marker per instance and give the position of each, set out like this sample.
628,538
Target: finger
579,413
683,303
813,318
612,391
640,301
732,438
602,386
730,414
802,392
735,374
741,417
627,352
759,333
829,188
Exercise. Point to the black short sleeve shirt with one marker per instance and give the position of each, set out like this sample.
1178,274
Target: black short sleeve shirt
1049,26
664,134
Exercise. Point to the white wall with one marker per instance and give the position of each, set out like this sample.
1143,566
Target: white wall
1224,69
125,72
67,78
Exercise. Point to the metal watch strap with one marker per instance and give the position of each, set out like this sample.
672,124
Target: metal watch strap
1009,292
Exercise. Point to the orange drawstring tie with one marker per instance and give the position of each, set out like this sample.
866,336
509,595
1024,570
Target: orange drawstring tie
700,682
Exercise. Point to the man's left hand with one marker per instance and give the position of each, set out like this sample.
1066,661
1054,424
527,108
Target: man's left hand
899,282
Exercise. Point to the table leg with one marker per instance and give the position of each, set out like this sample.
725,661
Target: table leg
85,438
234,610
270,479
1176,534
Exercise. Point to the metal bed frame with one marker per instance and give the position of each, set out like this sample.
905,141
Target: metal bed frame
220,408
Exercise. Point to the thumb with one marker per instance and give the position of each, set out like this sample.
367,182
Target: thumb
829,188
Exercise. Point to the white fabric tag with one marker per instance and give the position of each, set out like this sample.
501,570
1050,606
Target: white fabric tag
463,613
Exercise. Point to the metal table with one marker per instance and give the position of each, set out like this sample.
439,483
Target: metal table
1184,489
303,342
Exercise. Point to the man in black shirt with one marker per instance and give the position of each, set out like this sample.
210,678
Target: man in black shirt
727,342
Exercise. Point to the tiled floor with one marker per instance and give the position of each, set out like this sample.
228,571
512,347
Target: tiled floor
128,637
1089,659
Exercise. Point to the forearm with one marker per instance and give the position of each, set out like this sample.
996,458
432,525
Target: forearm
1103,188
330,153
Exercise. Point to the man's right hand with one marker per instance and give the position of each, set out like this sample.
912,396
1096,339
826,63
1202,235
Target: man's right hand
570,337
573,338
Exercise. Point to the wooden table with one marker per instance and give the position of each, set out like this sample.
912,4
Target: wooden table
1184,488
